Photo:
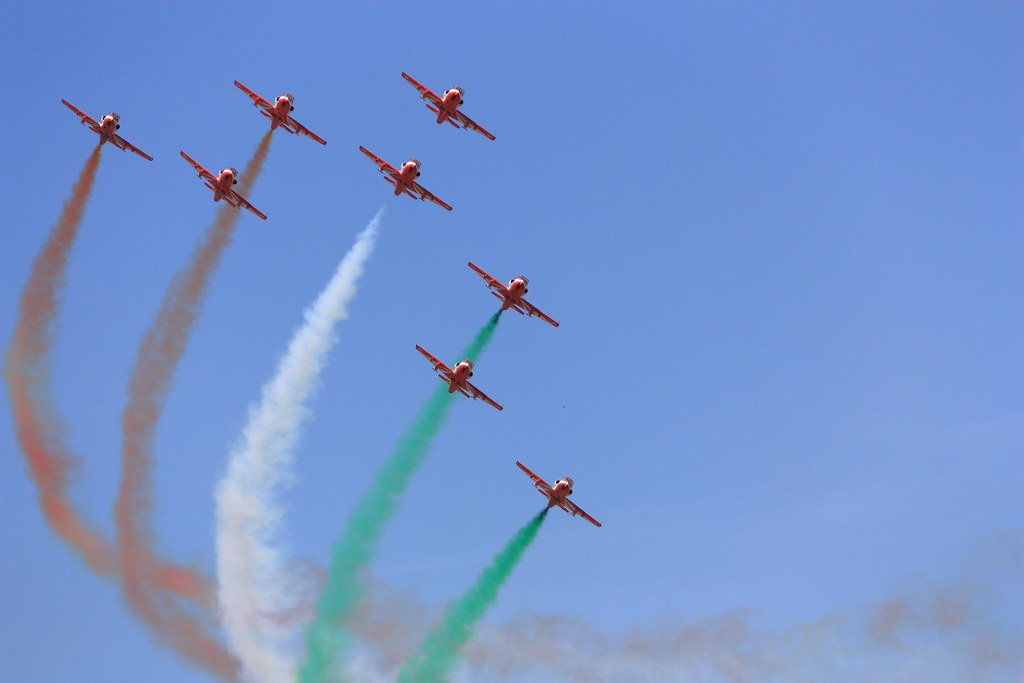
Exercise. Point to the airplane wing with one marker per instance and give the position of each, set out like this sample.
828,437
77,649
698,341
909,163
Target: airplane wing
203,173
472,125
425,92
256,99
438,365
129,146
426,194
483,397
577,510
537,481
491,282
382,166
85,117
306,131
245,204
533,310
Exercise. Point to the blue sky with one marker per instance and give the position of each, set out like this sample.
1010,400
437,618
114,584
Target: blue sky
784,244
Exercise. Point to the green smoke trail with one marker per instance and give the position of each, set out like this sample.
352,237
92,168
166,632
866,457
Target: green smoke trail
354,550
437,654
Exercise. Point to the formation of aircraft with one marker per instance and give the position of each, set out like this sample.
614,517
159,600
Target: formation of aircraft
458,379
446,106
511,295
404,179
279,112
558,494
106,128
221,185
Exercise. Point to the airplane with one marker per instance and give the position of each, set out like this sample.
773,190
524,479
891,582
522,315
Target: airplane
558,494
279,113
512,294
447,106
404,180
221,186
106,127
458,378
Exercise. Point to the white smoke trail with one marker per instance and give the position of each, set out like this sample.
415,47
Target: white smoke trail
255,590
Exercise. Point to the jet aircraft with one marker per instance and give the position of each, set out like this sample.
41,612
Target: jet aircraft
558,494
447,106
404,179
105,127
458,379
279,112
511,295
221,186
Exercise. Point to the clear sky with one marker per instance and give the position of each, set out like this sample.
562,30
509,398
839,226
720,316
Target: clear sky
784,242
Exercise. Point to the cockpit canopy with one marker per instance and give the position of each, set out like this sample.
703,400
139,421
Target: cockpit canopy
469,363
568,480
288,96
232,170
415,161
114,116
525,280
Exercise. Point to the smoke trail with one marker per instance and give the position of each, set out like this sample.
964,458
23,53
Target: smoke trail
38,427
354,550
250,561
28,379
158,357
436,656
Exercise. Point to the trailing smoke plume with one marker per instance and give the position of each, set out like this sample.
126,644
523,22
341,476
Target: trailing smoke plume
351,554
437,654
254,586
160,352
39,429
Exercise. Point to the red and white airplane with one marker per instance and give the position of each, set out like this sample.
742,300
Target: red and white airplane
221,186
558,494
106,127
404,180
458,379
511,294
279,112
447,106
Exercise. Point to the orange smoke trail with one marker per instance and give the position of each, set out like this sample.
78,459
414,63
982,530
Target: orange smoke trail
159,354
38,427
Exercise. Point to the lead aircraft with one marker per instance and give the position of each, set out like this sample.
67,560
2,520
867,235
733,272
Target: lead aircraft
558,494
446,106
221,186
458,379
279,112
105,127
